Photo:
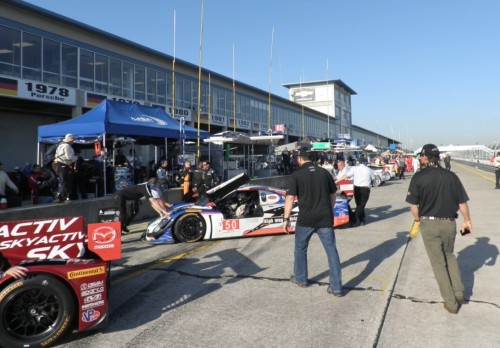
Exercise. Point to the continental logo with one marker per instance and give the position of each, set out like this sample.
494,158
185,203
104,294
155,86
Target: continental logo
10,289
89,272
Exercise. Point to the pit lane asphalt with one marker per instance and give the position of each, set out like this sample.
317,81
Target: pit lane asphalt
236,293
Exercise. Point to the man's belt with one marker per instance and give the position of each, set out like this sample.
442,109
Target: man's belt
437,218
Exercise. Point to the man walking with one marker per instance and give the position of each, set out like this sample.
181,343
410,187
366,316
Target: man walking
315,189
401,166
435,195
362,180
496,162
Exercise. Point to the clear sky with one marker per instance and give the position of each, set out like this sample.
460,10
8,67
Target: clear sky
424,70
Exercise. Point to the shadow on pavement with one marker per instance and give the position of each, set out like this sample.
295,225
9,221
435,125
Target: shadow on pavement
473,258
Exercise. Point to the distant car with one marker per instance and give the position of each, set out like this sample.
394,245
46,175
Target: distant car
234,210
380,176
383,172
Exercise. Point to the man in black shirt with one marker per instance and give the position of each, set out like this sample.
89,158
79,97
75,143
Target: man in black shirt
435,195
152,190
204,178
315,189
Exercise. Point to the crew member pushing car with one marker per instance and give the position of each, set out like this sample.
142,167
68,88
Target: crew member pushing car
151,189
14,271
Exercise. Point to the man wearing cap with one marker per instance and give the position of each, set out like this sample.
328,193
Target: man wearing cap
496,162
435,195
315,191
62,165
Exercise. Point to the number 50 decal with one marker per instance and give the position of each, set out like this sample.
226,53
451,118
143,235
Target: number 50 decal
228,225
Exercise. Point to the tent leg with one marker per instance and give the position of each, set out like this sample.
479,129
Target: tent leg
104,164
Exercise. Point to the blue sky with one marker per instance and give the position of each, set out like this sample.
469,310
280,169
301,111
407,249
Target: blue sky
424,70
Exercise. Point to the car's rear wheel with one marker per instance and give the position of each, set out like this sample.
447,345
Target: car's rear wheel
189,228
377,181
34,312
386,176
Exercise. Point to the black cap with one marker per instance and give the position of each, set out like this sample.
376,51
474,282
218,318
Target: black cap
303,151
429,150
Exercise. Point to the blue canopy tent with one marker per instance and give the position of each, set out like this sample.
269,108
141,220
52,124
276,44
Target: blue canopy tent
113,118
118,118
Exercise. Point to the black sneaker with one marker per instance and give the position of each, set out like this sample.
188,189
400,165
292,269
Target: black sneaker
125,230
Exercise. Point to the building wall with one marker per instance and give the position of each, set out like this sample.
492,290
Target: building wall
38,91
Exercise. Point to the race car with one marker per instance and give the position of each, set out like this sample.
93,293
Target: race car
234,209
66,286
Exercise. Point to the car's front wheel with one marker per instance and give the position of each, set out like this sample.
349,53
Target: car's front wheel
35,311
386,176
189,228
377,181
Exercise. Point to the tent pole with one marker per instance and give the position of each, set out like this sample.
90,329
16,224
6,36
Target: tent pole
104,162
38,153
166,148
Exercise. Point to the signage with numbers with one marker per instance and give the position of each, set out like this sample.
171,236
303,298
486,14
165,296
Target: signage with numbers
46,92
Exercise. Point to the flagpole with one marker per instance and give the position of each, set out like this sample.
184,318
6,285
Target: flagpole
172,112
270,82
328,106
199,82
234,98
209,112
302,111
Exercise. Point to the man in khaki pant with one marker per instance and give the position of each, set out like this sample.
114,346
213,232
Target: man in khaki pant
435,195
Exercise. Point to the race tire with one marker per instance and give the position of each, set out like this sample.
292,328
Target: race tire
386,176
35,311
189,228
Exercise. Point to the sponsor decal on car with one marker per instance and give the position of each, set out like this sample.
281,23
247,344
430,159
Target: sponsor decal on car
90,315
93,305
92,285
92,291
230,225
43,239
89,272
105,241
92,298
278,220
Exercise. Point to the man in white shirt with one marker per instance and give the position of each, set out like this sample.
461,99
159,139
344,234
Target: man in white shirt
63,167
362,180
343,169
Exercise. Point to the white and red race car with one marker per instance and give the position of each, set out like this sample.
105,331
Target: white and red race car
235,210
